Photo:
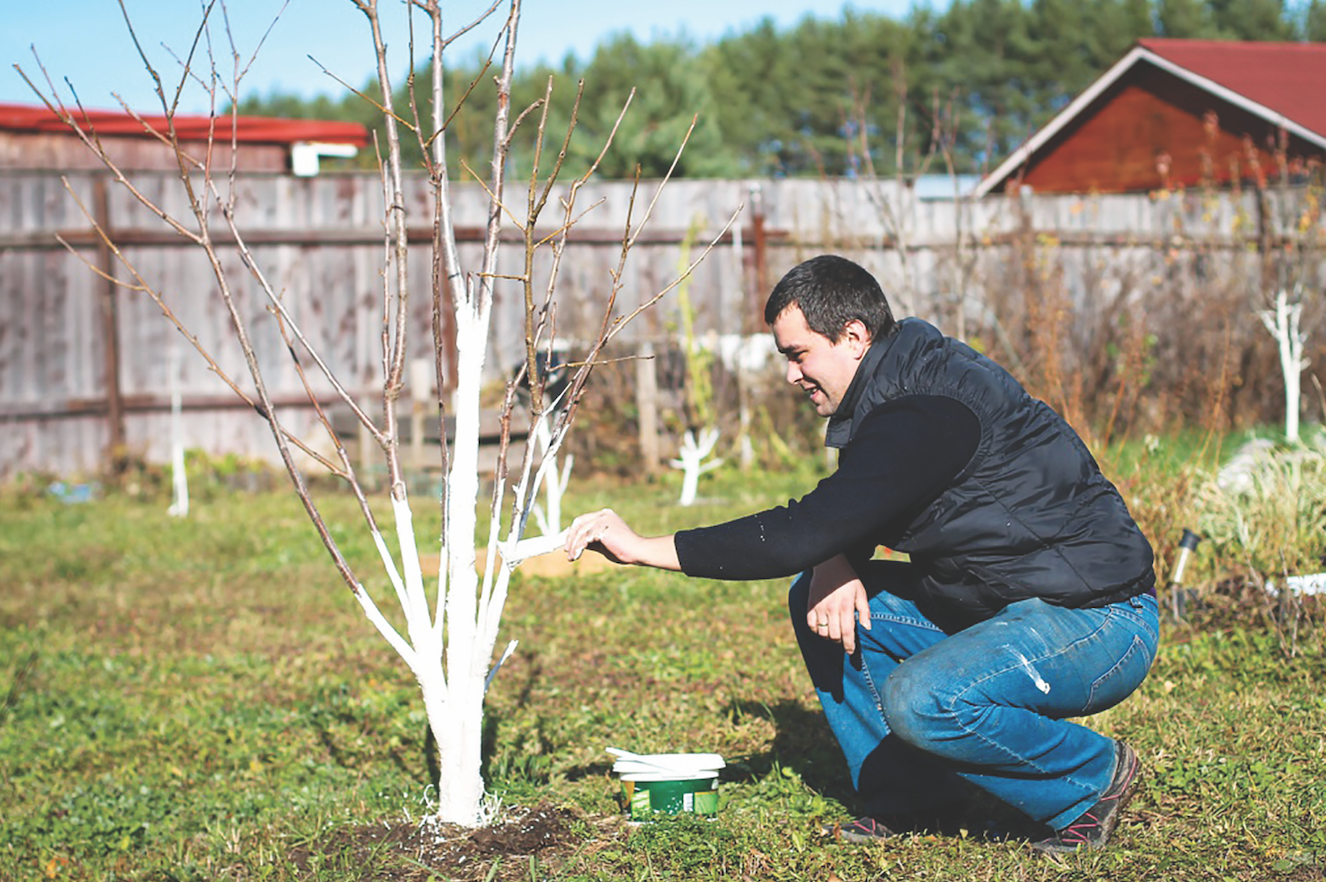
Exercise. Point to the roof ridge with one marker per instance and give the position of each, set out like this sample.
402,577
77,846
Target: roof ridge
1263,45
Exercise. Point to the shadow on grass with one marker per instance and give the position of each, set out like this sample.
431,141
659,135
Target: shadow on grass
803,742
339,757
535,767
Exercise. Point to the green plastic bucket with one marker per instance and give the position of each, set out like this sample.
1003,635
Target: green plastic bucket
650,794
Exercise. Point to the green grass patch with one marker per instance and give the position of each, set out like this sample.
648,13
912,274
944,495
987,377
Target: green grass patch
202,699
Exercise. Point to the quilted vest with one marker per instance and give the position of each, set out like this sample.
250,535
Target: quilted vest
1031,515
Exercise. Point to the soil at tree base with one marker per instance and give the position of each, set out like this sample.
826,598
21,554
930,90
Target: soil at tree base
411,851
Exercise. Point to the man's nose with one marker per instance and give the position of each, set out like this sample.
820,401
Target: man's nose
793,372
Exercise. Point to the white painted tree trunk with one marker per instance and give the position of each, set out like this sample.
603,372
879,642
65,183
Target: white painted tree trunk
449,643
691,460
1283,322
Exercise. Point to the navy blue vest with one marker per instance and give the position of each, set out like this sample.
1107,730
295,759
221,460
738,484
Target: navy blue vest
1030,516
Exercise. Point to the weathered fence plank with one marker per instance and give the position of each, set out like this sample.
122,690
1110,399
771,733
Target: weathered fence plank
319,242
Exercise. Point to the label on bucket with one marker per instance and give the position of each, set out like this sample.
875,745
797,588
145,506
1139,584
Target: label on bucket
645,798
639,808
705,803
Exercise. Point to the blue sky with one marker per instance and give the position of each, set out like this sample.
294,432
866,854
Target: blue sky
87,42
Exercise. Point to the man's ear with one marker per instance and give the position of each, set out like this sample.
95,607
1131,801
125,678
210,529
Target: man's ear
856,337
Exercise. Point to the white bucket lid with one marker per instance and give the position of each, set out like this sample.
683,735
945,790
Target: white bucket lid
669,765
646,777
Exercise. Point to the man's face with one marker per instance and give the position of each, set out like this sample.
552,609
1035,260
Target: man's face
821,367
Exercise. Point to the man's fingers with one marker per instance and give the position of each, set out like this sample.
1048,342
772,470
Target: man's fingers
820,621
860,613
829,618
578,538
585,530
847,628
836,625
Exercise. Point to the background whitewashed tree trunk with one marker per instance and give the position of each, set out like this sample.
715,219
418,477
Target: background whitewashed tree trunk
1283,322
691,459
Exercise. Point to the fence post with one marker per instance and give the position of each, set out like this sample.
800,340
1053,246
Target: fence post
110,328
760,242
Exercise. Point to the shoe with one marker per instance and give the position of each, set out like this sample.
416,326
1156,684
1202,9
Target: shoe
1092,830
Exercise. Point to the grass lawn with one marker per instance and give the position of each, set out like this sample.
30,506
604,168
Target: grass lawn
203,699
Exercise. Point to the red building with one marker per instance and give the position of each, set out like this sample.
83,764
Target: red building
1179,112
34,137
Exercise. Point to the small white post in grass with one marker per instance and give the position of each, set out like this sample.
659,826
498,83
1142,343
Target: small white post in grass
691,460
1283,323
179,477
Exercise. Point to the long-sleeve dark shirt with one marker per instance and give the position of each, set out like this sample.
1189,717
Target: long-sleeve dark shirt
904,454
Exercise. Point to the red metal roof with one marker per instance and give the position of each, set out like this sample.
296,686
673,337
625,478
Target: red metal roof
248,129
1287,78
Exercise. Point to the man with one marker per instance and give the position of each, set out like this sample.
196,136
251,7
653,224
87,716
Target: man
1028,596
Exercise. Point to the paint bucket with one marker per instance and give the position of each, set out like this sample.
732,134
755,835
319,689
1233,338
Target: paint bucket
650,793
671,783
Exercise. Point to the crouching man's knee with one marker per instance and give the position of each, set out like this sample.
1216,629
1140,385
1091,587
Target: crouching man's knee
915,710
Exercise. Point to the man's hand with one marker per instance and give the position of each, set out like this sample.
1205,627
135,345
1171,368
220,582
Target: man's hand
609,535
605,532
836,595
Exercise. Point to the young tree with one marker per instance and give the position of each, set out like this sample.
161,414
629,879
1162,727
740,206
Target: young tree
693,461
1283,321
1291,248
449,639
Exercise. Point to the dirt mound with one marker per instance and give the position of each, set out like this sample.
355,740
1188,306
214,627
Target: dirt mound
413,852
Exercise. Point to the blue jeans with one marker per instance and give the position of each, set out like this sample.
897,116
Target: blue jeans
915,707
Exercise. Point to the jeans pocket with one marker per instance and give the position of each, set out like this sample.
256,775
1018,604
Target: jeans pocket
1144,611
1123,677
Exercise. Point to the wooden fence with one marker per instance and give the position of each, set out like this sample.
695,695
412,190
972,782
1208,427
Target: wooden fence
86,367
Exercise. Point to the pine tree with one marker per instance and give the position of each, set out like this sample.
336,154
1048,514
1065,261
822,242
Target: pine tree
1314,21
1251,19
1189,19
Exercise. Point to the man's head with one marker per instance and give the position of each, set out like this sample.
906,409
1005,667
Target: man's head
824,314
832,291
